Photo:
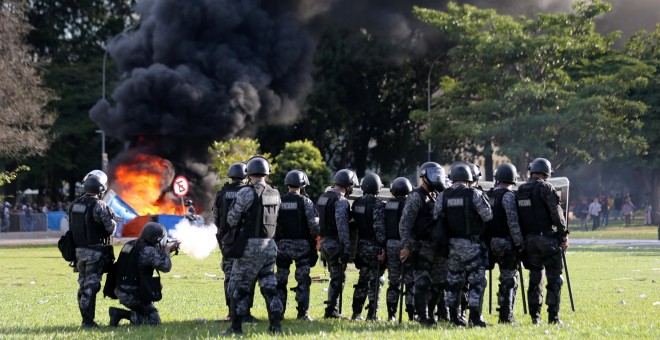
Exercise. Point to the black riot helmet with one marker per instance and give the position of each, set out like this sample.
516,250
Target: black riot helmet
371,184
433,174
296,178
258,165
461,172
347,179
401,186
541,165
153,233
237,170
506,173
476,172
93,185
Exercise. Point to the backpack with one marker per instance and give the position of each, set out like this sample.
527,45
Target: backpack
67,247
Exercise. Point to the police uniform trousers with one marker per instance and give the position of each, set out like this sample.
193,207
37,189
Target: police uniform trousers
394,276
506,257
297,251
329,247
544,252
142,313
430,274
257,263
466,263
89,264
370,271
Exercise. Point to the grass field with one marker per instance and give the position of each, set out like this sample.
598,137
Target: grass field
616,291
615,230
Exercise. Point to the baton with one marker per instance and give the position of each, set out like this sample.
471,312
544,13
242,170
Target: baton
376,290
568,279
522,288
490,291
403,275
341,289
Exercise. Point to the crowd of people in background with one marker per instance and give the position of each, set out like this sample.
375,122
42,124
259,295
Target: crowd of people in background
28,209
599,209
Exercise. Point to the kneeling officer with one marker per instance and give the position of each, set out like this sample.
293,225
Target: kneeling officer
135,267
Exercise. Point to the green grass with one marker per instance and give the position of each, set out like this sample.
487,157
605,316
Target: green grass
616,291
615,230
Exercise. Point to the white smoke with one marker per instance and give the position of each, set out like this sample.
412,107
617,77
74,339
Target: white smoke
196,241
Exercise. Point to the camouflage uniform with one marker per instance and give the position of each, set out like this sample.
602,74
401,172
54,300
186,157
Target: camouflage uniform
144,312
371,241
544,225
393,212
223,200
90,258
506,242
294,247
426,261
258,260
335,245
467,253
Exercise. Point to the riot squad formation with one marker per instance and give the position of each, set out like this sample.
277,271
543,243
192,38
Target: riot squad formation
436,241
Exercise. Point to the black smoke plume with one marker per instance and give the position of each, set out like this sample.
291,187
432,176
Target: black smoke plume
203,70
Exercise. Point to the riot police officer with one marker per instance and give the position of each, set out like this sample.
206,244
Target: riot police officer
223,200
92,224
255,210
297,229
462,211
139,258
546,236
506,240
415,230
334,215
369,222
396,273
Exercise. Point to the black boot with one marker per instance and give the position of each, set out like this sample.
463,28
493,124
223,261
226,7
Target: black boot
236,327
304,315
331,312
117,314
553,315
421,310
410,310
442,311
455,318
372,311
535,313
391,311
275,327
475,318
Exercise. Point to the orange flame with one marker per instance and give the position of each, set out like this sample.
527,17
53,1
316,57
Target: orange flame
143,183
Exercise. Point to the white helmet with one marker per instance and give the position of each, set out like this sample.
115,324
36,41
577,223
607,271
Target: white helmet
103,178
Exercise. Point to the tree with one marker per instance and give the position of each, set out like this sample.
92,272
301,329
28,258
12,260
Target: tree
516,85
358,112
305,156
71,34
226,153
23,117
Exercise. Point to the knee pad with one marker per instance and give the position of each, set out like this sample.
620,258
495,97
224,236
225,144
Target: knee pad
508,283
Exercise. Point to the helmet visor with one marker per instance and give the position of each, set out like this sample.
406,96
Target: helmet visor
435,175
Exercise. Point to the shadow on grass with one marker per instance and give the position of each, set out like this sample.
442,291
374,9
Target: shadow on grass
633,250
197,329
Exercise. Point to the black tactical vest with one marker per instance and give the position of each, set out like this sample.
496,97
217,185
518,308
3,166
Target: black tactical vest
85,230
533,213
421,229
326,208
363,214
459,215
393,212
223,200
498,226
260,219
291,220
127,268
